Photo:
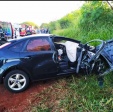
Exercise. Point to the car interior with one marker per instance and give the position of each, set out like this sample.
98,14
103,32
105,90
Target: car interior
67,53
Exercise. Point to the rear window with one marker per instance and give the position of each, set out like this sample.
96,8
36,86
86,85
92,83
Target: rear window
4,45
17,47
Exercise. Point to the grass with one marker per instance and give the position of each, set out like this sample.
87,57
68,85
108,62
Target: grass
76,94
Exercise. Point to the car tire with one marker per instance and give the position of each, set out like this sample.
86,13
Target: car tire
16,81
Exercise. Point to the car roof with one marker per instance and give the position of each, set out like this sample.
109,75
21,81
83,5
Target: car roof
44,35
30,36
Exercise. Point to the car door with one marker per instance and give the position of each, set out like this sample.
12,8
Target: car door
39,58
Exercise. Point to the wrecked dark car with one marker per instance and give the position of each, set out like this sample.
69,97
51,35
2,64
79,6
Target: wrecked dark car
44,56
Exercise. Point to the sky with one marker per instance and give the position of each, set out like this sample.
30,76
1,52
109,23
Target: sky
36,11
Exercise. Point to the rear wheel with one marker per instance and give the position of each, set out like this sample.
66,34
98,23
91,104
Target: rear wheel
16,81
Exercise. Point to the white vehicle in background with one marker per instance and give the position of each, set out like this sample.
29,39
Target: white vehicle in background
7,29
16,30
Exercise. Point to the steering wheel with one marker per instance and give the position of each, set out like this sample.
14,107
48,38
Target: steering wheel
63,48
100,47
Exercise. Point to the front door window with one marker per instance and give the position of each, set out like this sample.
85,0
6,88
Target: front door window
40,44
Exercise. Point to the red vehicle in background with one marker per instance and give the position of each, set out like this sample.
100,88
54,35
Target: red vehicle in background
14,30
22,30
27,30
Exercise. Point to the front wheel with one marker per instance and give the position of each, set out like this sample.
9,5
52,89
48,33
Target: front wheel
16,81
100,66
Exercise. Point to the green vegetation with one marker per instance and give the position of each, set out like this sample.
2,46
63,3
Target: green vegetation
76,94
93,20
30,23
81,94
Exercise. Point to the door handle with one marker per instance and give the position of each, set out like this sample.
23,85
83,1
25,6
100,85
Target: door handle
28,57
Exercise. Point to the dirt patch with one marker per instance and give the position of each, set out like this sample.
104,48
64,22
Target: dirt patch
18,102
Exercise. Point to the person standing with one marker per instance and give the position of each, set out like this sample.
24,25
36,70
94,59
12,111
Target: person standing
1,32
47,31
42,30
15,32
28,32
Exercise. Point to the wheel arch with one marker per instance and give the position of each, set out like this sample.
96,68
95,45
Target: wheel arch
105,60
15,68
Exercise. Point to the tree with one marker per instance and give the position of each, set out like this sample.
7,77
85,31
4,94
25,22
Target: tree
31,23
44,25
110,3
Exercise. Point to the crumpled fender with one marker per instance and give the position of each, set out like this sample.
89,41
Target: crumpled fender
108,52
